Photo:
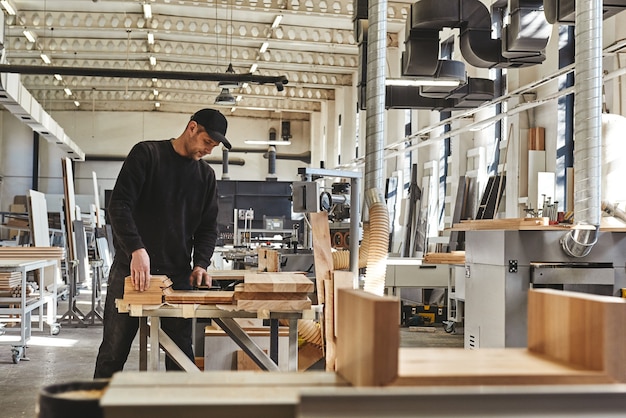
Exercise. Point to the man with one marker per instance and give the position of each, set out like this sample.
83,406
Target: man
163,213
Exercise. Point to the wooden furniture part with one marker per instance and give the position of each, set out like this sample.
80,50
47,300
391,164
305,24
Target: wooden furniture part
268,260
574,338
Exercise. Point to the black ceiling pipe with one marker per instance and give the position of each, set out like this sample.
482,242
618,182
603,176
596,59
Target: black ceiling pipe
278,81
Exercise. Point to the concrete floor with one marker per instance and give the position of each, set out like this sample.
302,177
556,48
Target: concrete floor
70,356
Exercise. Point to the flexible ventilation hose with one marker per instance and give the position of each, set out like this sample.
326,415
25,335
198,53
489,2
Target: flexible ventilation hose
341,258
374,281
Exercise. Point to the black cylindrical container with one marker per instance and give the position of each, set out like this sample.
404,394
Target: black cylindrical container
72,399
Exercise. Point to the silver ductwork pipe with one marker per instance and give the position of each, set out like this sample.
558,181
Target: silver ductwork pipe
587,130
375,94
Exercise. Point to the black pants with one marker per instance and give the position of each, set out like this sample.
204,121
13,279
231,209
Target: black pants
120,329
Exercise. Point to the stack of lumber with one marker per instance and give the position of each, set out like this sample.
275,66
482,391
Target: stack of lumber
573,338
278,292
151,296
30,253
454,257
9,280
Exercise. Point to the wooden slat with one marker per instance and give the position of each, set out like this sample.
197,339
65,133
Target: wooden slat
277,282
268,260
199,296
368,337
151,296
454,257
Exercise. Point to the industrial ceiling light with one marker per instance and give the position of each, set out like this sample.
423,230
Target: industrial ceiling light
58,77
225,98
67,91
264,47
31,36
6,4
76,103
152,60
229,84
150,38
45,58
277,21
253,67
147,11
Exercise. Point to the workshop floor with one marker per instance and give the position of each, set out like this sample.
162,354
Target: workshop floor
70,356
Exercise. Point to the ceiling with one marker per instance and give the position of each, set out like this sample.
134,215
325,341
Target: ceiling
314,47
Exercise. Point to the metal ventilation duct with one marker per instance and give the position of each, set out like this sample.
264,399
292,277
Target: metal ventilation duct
524,38
20,103
563,11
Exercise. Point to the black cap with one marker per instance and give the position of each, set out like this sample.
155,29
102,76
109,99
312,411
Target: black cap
214,123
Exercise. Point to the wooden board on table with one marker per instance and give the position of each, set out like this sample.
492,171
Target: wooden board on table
277,282
454,257
227,274
274,305
515,224
207,297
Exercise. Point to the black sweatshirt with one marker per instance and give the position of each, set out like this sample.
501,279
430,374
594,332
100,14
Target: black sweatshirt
167,204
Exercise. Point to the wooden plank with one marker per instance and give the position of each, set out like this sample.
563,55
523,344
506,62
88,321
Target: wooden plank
277,282
274,305
584,330
241,294
368,337
151,296
199,296
455,257
322,255
341,280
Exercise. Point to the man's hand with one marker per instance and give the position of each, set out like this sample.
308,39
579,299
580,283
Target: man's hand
199,275
140,269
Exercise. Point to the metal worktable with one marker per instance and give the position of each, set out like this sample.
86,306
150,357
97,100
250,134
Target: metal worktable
25,304
224,316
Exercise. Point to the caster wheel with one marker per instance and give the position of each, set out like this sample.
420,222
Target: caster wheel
55,329
448,327
18,352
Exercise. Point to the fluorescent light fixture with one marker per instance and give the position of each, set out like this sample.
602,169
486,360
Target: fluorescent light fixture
157,104
253,67
58,77
147,11
45,58
276,22
238,98
264,47
245,85
150,38
152,60
76,103
8,7
67,91
232,109
155,92
154,80
266,142
413,82
30,36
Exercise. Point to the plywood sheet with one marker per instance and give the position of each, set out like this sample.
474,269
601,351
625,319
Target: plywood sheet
277,282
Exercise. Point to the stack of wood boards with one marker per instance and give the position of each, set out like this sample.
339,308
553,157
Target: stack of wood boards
454,257
30,253
277,292
573,338
151,296
9,280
